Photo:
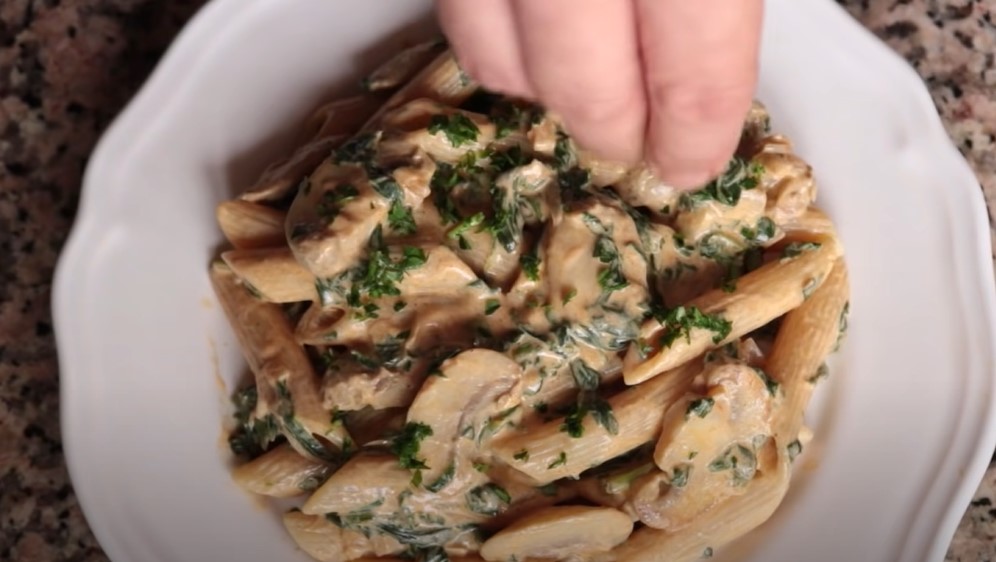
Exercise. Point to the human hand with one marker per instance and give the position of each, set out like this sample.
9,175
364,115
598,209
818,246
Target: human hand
666,81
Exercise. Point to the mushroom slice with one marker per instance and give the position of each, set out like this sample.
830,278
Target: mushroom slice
708,449
476,388
559,533
368,482
332,218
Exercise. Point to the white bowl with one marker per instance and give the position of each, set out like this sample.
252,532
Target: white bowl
905,427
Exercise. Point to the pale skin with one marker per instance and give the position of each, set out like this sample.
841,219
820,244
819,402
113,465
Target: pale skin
665,81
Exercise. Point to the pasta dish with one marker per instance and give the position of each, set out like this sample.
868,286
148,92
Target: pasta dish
471,339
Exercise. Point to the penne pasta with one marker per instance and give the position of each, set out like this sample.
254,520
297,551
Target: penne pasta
273,274
720,525
440,292
760,297
249,225
279,181
638,412
343,116
805,338
281,473
441,80
286,383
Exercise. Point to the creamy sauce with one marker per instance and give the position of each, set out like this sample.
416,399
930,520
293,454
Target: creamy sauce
477,277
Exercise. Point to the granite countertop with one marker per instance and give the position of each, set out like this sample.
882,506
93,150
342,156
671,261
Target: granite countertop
68,66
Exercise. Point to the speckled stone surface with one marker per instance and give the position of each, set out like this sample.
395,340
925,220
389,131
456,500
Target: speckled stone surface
68,66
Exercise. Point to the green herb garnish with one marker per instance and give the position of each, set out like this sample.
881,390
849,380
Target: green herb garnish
680,321
457,128
407,443
700,407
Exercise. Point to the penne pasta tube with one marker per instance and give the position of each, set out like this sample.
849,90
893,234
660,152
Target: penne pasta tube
343,116
403,66
281,179
441,80
760,297
285,380
281,473
551,453
806,336
722,524
251,225
809,227
273,274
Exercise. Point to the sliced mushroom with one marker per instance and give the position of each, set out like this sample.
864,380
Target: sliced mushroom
411,126
367,482
559,533
681,273
641,188
787,179
330,221
713,217
708,447
595,246
351,385
476,386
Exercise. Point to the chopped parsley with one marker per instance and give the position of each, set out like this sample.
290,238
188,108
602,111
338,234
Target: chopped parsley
444,479
333,200
380,275
522,455
510,117
796,249
699,407
400,218
491,306
679,476
406,445
561,460
679,322
738,459
293,429
822,372
488,499
506,222
457,128
727,188
530,263
794,449
769,382
611,278
763,232
473,221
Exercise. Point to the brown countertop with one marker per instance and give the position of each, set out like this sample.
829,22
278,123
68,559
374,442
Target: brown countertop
67,67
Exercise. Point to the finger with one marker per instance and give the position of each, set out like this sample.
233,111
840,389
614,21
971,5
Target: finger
582,58
700,68
483,36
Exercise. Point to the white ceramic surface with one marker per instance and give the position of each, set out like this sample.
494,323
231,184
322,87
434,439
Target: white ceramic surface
905,426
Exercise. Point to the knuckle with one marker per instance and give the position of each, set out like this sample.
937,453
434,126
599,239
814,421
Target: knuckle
702,103
583,106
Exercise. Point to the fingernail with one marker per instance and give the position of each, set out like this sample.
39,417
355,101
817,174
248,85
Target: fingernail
685,180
